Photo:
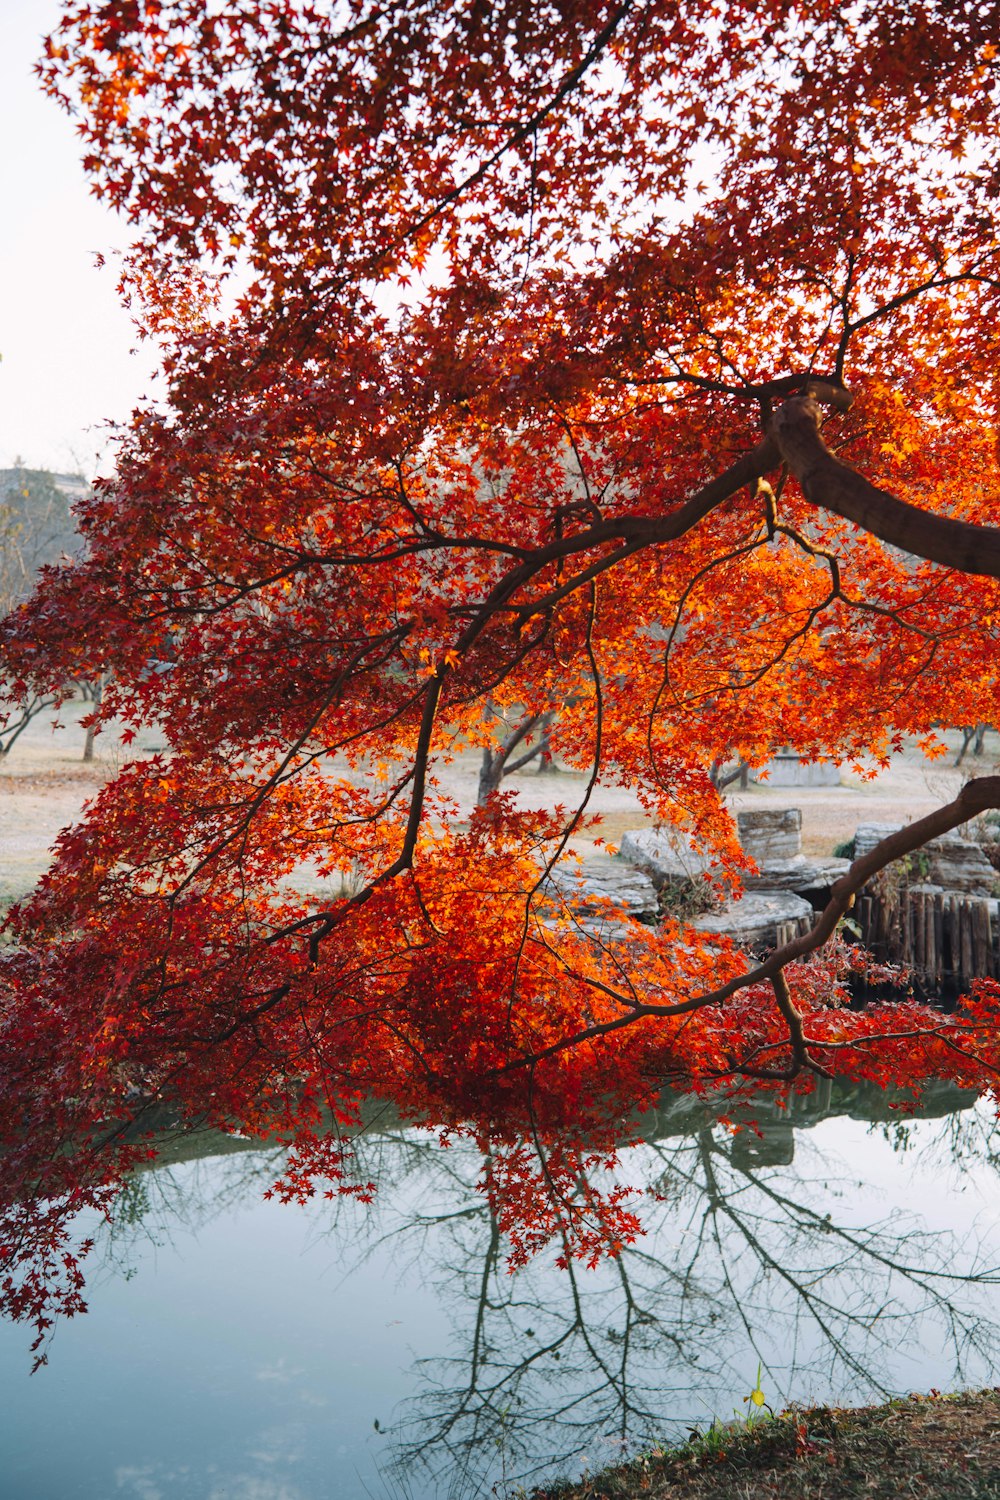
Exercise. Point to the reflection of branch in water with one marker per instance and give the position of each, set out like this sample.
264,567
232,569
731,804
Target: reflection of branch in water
768,1275
156,1202
742,1262
838,1291
554,1351
969,1138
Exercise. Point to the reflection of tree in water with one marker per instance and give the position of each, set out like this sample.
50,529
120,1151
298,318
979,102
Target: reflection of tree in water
745,1259
221,1173
967,1139
743,1262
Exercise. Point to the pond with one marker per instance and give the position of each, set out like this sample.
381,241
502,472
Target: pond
241,1349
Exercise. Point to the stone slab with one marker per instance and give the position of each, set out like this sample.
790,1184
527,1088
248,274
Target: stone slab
588,888
954,863
788,770
800,874
664,855
753,921
867,835
770,835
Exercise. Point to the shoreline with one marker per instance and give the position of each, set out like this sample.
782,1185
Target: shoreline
933,1447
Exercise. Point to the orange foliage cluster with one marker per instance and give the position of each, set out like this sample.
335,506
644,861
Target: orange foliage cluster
498,341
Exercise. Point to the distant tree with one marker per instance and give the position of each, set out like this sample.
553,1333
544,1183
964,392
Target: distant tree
515,745
974,735
36,531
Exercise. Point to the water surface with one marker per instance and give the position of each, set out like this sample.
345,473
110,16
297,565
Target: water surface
241,1349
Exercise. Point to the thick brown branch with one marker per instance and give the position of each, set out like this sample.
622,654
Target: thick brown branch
634,530
828,482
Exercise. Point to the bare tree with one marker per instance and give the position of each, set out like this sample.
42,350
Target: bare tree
531,735
36,531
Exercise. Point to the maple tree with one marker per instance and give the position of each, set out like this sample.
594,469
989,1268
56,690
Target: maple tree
629,357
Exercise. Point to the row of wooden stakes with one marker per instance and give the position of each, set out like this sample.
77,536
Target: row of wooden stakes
947,939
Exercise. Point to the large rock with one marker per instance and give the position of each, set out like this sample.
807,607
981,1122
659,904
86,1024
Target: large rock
759,919
664,855
800,875
870,834
771,835
954,863
668,859
588,888
958,864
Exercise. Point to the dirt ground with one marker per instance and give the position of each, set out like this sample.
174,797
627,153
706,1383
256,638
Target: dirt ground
924,1448
44,784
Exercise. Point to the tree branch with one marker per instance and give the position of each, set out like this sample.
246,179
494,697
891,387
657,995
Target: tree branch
828,482
975,797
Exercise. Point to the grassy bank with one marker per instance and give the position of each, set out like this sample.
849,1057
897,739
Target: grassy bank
923,1448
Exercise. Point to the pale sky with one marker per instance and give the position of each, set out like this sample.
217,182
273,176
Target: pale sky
65,340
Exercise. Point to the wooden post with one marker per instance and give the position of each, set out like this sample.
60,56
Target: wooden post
968,939
907,926
968,955
918,901
930,962
948,948
982,948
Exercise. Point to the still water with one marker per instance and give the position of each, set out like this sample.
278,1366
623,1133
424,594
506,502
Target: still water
240,1349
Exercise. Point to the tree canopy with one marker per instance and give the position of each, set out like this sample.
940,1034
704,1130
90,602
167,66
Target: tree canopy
634,358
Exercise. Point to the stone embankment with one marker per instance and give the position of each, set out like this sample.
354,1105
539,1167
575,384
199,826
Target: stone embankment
934,913
778,903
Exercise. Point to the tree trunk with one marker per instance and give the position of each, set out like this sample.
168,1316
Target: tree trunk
88,744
